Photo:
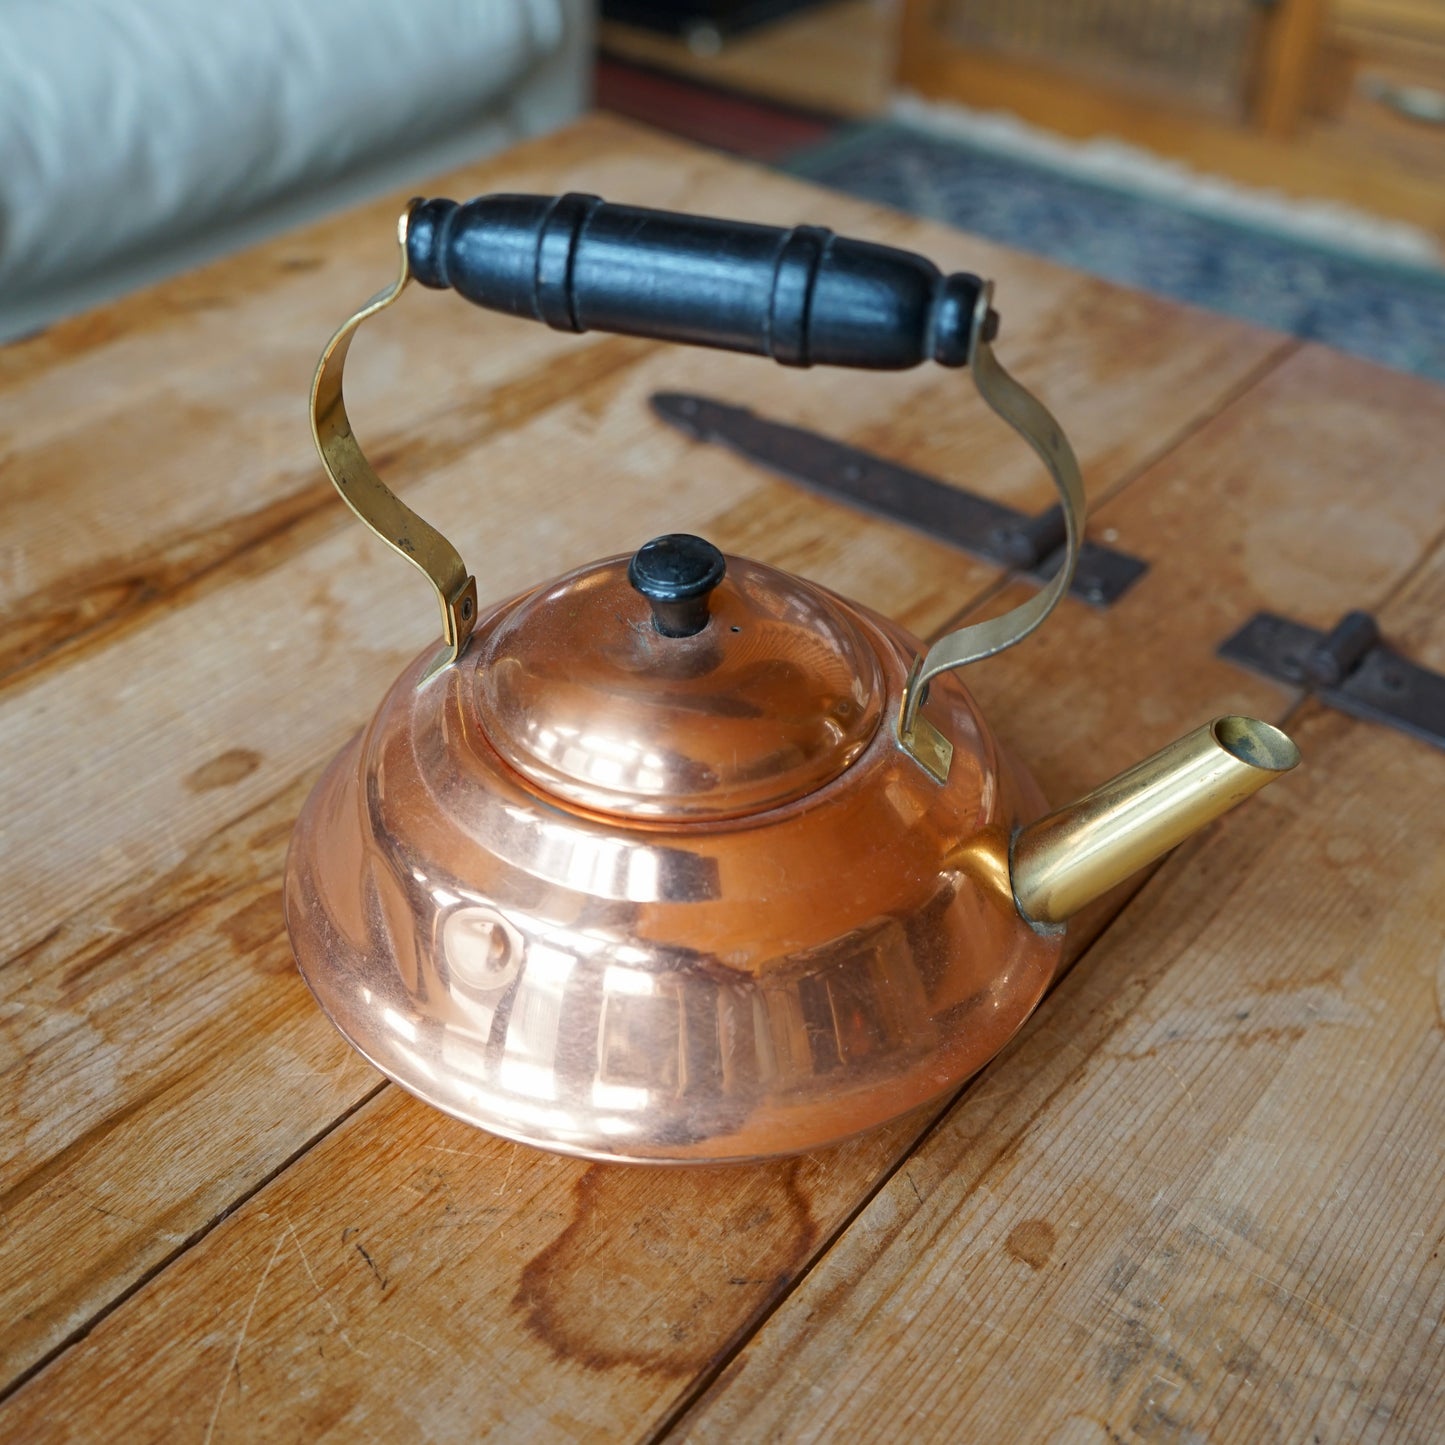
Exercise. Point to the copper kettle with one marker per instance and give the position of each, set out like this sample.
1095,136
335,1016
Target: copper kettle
680,857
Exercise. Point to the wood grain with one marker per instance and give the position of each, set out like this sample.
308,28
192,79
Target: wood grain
173,1230
605,1294
168,753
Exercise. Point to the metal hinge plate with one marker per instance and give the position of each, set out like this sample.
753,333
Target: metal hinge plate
1349,668
977,525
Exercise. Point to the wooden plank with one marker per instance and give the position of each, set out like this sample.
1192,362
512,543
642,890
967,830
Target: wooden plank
588,1298
150,997
1199,1197
1287,65
146,444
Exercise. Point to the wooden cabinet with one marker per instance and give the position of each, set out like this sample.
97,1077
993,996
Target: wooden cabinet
1233,61
1262,93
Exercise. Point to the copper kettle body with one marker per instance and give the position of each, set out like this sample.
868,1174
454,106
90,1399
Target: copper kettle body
679,857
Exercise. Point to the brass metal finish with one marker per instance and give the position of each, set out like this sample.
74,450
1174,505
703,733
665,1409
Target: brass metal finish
921,739
367,495
1071,857
640,989
1032,421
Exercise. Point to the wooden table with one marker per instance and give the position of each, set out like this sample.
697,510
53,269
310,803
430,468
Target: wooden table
1200,1196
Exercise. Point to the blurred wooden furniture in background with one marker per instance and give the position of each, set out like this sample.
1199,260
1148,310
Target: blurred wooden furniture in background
1390,47
1264,66
1300,97
1259,93
837,59
1231,59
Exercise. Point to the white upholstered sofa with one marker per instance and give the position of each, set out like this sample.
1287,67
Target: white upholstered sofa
140,137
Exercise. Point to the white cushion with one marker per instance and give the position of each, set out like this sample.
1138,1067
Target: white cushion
126,123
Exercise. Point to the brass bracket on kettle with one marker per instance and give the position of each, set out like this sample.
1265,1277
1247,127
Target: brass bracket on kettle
367,495
1028,416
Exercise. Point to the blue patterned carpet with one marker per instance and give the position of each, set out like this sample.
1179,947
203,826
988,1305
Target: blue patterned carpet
1389,313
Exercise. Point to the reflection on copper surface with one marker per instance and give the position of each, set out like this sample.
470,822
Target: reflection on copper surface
481,947
581,695
749,978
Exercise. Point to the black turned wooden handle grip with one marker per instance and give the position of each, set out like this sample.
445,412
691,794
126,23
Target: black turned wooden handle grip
803,296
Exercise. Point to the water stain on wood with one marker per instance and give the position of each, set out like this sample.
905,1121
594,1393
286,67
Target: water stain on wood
97,604
659,1248
93,606
1239,1038
224,770
1032,1242
595,367
237,858
258,932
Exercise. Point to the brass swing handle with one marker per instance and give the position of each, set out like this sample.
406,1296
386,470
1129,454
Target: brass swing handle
803,297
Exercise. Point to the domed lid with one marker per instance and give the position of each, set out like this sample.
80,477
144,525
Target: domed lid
678,685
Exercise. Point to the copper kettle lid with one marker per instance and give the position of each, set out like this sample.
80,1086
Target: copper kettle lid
678,685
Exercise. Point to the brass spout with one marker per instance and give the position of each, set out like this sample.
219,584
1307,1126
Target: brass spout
1070,857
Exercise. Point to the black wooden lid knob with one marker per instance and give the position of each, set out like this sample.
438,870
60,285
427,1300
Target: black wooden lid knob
676,574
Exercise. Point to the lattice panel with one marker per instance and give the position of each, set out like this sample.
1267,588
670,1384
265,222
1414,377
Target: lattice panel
1190,49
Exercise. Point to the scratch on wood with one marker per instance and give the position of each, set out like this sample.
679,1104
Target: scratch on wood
412,1339
315,1284
305,1263
1308,1301
241,1340
112,1214
371,1265
352,1345
1193,1102
445,1149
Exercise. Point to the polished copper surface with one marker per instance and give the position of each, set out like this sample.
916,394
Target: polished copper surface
681,988
776,696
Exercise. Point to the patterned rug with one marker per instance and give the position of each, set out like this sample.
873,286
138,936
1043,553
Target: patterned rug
1388,312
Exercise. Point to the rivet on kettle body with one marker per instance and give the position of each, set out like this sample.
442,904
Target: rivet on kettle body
721,865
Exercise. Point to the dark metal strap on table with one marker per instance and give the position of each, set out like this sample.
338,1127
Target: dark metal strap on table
1349,667
985,528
